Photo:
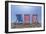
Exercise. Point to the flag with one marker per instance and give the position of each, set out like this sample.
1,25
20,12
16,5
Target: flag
26,18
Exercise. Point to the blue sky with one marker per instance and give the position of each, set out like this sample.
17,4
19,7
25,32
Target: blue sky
19,9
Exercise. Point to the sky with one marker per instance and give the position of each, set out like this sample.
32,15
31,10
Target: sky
19,9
